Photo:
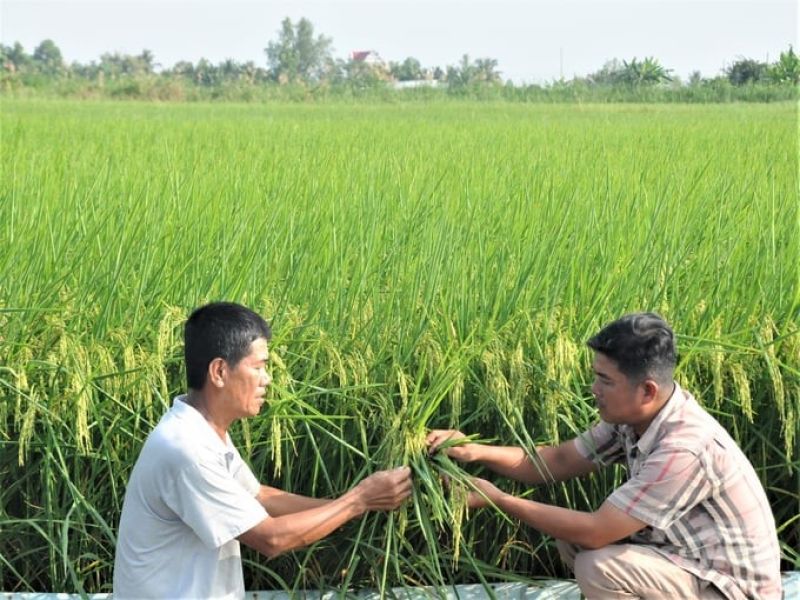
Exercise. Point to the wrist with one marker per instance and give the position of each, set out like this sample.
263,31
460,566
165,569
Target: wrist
355,501
501,499
476,453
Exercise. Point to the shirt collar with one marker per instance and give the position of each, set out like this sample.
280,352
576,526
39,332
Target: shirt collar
673,403
183,410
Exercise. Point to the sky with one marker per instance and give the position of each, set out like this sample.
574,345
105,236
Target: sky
534,41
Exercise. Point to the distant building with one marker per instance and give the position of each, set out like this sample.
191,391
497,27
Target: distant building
368,57
416,83
369,62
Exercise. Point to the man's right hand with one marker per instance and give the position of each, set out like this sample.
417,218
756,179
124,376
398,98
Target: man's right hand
384,490
466,452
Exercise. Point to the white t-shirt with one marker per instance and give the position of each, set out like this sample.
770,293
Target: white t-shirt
189,496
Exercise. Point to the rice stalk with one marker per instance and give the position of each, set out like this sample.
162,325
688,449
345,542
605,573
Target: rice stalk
79,392
717,358
741,388
26,425
21,384
766,341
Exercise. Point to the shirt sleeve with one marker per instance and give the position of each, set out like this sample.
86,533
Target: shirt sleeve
669,483
212,502
601,444
244,475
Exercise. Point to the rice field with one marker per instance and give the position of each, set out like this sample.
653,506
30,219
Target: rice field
422,265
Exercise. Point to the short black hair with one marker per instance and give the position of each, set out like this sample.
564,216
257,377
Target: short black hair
219,330
641,344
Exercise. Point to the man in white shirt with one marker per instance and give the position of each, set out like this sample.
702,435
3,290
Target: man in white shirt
191,498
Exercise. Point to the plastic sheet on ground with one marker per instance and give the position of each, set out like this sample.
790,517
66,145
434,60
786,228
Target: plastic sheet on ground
544,590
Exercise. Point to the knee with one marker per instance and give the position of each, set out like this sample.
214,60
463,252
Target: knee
588,567
567,553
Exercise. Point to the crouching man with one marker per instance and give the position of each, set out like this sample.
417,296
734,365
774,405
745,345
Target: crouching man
191,498
691,521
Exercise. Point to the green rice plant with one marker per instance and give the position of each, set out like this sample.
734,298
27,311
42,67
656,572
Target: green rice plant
423,266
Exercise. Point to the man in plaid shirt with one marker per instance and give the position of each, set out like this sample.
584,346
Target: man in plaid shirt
691,521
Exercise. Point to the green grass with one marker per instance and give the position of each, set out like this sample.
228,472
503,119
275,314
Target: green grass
422,266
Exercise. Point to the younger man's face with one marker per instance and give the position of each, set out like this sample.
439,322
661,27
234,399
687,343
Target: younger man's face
618,399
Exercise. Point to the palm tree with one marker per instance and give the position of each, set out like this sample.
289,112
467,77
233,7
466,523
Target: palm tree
486,70
229,69
786,69
646,72
147,60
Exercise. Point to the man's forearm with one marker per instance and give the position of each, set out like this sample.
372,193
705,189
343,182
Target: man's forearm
513,462
384,490
550,463
277,534
572,526
278,503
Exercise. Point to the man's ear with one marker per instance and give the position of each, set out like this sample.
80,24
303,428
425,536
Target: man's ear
650,388
217,370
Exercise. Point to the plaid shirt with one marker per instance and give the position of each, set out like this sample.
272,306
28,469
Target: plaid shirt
703,504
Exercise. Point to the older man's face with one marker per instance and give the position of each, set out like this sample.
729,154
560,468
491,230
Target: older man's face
246,384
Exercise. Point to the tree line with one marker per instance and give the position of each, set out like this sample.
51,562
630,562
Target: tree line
300,64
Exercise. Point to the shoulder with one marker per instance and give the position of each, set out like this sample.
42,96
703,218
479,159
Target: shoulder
603,443
690,428
173,447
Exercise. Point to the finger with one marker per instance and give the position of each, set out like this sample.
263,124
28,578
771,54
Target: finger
434,440
396,473
402,475
475,501
440,434
433,446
